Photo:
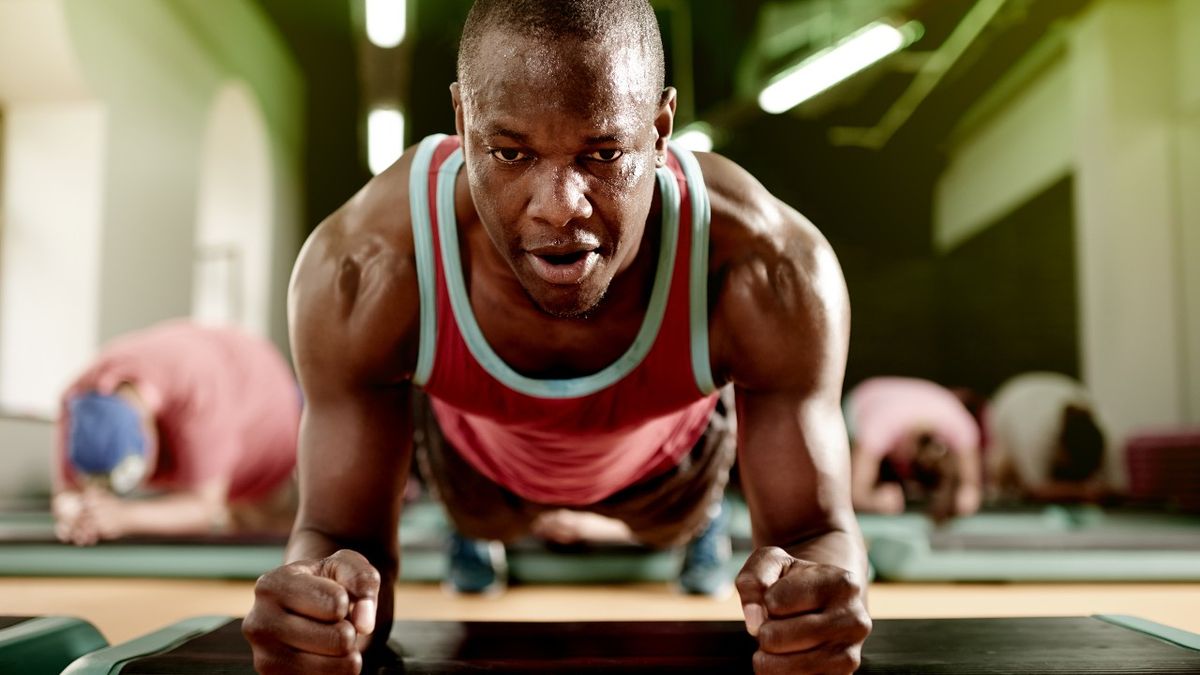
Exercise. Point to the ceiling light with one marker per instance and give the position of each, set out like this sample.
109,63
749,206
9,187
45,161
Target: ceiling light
385,138
696,137
386,22
829,66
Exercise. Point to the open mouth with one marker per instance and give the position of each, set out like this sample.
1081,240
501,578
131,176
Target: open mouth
565,268
563,258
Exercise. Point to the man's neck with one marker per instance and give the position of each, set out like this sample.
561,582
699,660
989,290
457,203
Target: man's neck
539,344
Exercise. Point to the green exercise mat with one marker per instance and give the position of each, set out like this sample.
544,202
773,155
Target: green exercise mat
45,645
1082,543
31,550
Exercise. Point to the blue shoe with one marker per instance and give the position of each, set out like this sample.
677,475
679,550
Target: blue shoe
706,560
477,566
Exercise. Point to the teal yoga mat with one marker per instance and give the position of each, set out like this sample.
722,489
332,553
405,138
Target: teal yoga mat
45,645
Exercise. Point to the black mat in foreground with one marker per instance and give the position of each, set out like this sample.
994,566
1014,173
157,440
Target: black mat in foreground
1096,645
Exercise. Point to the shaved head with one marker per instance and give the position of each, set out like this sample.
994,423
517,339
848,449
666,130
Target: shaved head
624,24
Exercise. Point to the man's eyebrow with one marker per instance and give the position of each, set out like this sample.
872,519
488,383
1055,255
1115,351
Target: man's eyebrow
509,133
605,138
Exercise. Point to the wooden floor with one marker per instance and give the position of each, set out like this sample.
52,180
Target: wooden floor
125,608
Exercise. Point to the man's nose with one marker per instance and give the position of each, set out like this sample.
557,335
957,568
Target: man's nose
560,196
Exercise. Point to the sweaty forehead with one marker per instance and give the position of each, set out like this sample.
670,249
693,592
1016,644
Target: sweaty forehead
594,78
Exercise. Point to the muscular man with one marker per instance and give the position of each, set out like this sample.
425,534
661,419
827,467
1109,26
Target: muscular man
912,439
1045,440
552,278
203,419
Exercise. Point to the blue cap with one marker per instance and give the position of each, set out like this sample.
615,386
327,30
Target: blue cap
104,430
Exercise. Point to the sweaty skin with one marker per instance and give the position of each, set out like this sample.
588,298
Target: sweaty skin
560,147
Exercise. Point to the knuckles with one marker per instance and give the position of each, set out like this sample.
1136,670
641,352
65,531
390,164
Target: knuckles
749,579
343,640
843,661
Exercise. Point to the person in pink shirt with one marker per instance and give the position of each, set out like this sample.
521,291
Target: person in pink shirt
199,423
912,439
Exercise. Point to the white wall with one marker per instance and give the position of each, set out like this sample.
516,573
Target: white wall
1123,75
1187,45
49,270
26,444
38,62
51,198
1022,150
234,219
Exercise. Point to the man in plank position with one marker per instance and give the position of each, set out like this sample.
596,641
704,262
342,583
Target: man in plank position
552,280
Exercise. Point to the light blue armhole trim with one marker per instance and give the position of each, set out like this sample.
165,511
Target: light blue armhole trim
477,343
1175,636
698,283
422,228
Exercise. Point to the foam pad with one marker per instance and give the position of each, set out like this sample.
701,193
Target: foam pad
45,645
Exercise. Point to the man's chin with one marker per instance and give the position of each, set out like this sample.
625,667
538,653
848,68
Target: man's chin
575,302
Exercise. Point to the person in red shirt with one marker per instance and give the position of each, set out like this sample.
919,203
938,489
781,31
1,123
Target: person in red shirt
570,290
199,423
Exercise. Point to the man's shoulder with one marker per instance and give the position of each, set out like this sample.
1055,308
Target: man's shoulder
355,289
775,282
749,224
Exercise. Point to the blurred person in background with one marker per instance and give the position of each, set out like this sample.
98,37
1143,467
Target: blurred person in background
178,430
912,440
1046,442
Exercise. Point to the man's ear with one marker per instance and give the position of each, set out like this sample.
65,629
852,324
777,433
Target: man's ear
456,101
664,123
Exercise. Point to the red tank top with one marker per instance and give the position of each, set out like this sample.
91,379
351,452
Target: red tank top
571,441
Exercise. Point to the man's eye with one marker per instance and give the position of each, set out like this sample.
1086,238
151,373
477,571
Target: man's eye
508,155
605,155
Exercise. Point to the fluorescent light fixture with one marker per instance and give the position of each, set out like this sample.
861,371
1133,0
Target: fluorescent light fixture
386,22
385,138
696,137
829,66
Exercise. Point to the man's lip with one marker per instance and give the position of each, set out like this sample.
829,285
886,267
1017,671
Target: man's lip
542,251
567,273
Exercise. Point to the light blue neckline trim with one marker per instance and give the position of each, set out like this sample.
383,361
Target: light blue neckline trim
422,229
477,343
698,264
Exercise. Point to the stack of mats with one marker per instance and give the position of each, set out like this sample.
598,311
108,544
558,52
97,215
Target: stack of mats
1164,468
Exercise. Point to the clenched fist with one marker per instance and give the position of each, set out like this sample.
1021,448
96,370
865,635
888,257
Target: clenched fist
314,616
809,618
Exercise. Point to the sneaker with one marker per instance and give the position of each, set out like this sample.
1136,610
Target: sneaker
477,566
706,560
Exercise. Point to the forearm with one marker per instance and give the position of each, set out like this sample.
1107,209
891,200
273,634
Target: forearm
840,548
174,514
